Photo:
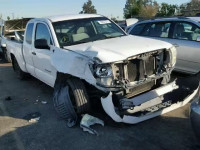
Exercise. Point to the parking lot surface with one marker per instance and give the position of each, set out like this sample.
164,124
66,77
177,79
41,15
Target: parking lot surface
171,131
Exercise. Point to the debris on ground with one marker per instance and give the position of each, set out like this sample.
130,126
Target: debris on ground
89,120
44,102
32,117
8,98
34,120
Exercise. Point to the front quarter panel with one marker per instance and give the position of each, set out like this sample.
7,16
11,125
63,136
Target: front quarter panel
71,63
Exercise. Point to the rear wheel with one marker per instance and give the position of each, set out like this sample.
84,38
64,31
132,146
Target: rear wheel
5,54
20,74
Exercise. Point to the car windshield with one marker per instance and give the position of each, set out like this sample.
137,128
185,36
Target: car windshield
72,32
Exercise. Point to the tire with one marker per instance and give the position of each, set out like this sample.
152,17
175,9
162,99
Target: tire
5,57
20,74
79,95
70,98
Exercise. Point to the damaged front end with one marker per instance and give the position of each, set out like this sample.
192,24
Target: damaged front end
138,85
137,74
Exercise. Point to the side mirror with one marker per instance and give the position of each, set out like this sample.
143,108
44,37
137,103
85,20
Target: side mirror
41,44
198,39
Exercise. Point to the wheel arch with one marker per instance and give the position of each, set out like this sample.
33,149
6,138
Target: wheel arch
20,61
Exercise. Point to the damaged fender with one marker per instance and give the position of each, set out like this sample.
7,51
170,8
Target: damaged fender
74,64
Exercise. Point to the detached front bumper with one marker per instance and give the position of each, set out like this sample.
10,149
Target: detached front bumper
186,92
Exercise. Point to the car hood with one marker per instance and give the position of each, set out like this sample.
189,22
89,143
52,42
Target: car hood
118,49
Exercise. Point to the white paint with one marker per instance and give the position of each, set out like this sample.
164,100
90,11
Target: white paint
71,17
104,21
110,110
131,21
119,48
72,63
153,94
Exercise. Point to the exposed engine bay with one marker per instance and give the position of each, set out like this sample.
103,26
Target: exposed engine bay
136,74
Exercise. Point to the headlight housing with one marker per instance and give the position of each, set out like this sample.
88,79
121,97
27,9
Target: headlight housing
173,53
104,75
104,71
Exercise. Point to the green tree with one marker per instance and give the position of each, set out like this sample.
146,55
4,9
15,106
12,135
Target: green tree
132,8
167,10
88,8
135,8
149,9
191,8
114,19
8,17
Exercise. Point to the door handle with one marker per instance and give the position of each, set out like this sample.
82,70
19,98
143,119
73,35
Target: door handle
176,45
34,53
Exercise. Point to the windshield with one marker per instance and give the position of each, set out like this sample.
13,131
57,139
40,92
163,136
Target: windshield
72,32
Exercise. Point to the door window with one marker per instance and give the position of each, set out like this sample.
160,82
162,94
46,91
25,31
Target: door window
29,33
42,32
186,31
160,29
137,29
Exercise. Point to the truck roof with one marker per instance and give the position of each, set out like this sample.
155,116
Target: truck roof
70,17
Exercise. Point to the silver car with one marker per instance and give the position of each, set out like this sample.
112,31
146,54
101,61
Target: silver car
183,33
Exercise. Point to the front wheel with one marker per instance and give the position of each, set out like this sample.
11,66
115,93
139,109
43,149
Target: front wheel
70,98
17,69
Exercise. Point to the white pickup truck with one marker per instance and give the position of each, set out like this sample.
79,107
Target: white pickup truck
90,58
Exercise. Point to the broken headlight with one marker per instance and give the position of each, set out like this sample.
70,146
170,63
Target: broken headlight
104,71
173,53
104,75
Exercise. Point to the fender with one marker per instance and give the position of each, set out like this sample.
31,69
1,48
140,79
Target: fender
72,63
19,57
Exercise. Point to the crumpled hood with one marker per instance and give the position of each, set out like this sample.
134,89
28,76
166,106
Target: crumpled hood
117,49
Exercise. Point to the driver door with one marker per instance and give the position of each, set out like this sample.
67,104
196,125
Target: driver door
41,57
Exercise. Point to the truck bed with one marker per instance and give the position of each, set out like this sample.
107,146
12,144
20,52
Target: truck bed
15,47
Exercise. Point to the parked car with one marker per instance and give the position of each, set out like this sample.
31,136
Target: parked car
88,57
183,33
1,32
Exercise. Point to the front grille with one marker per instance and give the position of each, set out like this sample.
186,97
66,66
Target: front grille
150,66
132,68
138,69
140,89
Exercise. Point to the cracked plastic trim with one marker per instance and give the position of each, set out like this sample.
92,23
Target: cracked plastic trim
109,108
